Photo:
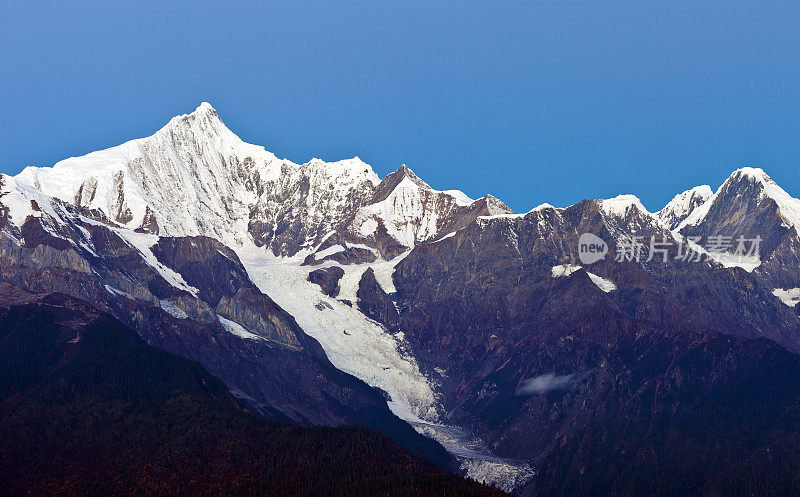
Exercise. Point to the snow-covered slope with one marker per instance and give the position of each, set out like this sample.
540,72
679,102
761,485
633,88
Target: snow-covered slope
763,186
353,343
190,174
680,207
564,270
625,215
409,210
196,177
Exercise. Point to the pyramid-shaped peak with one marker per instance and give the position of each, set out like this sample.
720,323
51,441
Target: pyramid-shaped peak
204,113
748,183
683,204
204,123
404,172
495,205
750,173
204,107
621,205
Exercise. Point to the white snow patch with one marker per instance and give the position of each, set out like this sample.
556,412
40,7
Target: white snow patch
115,291
748,263
333,249
368,226
236,329
602,283
512,215
172,309
620,206
17,197
726,259
143,242
475,458
567,269
501,216
789,296
564,270
445,237
460,197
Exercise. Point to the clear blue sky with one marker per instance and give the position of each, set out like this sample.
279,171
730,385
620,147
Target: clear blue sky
536,101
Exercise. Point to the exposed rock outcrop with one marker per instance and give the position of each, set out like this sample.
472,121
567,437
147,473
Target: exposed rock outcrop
328,279
374,302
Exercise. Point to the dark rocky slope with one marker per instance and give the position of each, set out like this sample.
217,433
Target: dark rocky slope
279,371
598,386
87,408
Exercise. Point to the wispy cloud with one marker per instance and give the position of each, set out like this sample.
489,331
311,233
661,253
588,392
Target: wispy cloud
551,382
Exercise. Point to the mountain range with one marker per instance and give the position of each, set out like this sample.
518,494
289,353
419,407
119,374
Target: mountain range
321,294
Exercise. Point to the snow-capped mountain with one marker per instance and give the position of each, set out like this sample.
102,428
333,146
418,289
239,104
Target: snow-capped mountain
196,177
682,206
292,282
746,192
750,204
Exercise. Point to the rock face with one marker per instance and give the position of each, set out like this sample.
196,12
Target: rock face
682,414
225,323
374,302
473,319
541,365
195,177
742,206
751,204
327,279
205,264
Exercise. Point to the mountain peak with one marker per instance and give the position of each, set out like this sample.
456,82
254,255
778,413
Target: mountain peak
404,172
754,182
205,115
204,107
755,173
683,204
749,202
621,204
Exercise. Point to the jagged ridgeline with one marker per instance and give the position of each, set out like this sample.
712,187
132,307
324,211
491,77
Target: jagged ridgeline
321,294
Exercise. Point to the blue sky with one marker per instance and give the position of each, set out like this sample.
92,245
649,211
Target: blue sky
537,101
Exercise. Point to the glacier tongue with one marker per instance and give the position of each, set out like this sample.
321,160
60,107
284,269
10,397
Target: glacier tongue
475,458
353,343
359,346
